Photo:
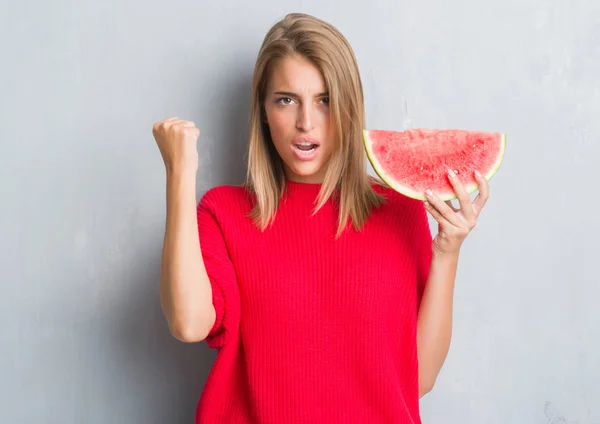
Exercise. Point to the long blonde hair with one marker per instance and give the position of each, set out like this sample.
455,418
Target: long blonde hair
346,179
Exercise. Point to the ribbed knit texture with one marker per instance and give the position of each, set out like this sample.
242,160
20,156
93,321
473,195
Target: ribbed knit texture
310,329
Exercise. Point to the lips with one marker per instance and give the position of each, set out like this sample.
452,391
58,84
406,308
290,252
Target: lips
305,144
304,148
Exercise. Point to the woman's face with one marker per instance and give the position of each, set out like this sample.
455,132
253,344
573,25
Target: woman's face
297,113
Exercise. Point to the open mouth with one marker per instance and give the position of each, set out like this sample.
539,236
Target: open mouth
305,147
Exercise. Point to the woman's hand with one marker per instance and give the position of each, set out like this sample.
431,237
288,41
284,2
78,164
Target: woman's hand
176,139
455,224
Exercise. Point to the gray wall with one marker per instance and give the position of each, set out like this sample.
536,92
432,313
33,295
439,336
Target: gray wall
83,204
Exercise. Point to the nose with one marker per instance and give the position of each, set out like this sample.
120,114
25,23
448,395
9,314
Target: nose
305,119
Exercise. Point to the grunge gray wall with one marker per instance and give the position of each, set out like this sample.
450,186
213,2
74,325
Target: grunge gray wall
82,202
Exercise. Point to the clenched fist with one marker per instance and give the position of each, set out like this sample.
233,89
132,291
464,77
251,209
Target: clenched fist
177,140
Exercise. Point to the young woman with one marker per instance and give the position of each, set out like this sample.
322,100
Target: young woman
322,289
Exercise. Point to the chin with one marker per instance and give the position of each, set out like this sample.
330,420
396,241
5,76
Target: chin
306,171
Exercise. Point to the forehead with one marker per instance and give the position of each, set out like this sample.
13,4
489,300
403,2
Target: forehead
296,74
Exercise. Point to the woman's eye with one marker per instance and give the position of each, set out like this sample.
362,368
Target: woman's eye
288,100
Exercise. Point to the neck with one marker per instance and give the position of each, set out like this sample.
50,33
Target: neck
316,178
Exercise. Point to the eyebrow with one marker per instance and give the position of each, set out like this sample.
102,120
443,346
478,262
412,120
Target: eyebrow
288,93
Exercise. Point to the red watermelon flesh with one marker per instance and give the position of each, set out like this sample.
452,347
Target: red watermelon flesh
415,160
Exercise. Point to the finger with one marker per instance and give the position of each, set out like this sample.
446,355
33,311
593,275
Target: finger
436,214
187,124
445,210
454,208
483,195
463,197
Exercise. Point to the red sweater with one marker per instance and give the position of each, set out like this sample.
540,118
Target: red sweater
310,329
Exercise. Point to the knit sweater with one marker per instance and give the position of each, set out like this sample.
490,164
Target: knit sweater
310,329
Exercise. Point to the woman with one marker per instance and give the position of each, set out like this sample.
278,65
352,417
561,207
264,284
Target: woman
315,282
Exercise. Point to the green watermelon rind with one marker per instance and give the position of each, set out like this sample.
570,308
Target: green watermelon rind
470,188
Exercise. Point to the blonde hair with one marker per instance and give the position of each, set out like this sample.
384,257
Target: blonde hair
346,179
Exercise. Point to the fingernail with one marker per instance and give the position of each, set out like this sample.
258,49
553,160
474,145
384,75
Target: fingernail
429,193
451,173
477,173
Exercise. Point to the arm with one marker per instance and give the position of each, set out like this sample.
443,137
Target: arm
434,321
185,289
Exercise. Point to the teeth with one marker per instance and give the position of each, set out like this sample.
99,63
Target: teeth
305,147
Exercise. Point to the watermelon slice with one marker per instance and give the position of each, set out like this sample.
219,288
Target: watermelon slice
415,160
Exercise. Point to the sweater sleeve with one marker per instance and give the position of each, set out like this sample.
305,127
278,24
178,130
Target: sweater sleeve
424,252
221,273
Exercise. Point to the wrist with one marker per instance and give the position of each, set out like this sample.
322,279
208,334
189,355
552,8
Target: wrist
445,256
178,173
181,181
